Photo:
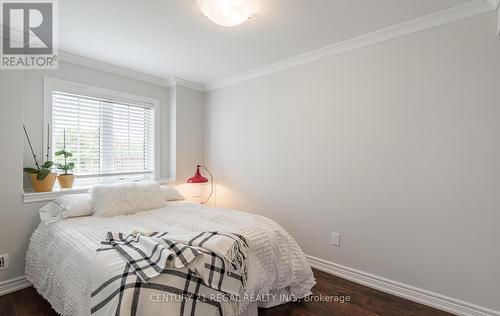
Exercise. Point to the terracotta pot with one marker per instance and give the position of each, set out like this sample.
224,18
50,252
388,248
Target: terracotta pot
66,180
45,185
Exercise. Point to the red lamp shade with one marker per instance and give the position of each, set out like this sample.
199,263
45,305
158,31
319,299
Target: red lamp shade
197,178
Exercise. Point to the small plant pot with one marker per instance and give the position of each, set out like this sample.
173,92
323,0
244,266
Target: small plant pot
45,185
66,180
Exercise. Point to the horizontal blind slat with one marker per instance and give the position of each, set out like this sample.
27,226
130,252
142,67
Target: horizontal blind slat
105,136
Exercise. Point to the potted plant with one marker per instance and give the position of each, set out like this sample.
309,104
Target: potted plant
41,176
66,179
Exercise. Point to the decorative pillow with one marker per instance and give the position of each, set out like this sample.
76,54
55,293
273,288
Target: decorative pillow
66,206
126,198
171,194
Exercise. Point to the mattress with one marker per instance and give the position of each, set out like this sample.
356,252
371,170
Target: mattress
59,257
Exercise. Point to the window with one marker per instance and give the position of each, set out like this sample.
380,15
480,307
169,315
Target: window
109,133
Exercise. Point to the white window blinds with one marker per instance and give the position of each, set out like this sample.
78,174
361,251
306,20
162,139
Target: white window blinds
106,137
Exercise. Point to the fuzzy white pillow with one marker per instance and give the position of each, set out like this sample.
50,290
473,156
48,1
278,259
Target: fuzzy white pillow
172,194
66,206
126,198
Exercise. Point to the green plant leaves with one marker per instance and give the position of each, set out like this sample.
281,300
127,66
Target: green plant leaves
47,164
30,170
43,173
44,170
64,153
66,167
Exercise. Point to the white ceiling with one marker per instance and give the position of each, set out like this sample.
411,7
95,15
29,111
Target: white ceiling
171,38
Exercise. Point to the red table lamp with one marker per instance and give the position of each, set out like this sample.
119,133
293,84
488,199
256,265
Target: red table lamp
198,178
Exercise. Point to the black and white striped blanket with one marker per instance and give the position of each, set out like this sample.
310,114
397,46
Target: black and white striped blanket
169,274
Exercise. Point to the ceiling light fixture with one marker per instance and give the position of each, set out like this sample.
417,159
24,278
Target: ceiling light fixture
228,12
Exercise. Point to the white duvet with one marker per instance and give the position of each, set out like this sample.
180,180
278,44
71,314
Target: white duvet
58,261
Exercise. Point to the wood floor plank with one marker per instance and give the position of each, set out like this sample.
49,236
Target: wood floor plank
28,302
363,301
7,305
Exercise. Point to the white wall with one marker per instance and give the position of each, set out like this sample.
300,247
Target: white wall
17,220
21,101
395,146
189,132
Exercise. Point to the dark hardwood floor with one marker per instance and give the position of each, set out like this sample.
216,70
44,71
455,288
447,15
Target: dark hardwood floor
362,301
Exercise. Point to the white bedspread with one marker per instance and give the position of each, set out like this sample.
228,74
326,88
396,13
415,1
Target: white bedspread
58,261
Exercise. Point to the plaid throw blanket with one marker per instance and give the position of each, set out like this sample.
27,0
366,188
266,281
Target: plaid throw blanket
169,274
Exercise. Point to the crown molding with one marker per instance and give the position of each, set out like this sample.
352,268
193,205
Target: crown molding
78,60
109,68
436,300
98,65
168,82
464,11
493,3
190,84
457,13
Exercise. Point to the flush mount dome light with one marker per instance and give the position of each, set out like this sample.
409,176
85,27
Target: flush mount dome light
228,12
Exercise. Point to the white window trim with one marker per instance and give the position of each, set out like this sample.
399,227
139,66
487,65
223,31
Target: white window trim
51,84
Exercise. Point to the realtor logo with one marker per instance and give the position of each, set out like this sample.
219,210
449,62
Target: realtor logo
28,35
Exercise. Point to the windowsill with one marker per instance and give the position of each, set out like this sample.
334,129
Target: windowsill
30,196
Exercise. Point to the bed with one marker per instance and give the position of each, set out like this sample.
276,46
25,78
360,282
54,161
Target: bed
59,258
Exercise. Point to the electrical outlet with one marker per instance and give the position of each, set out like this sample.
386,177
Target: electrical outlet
4,261
335,238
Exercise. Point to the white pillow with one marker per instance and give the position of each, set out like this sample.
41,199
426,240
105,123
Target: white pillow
66,206
171,194
126,198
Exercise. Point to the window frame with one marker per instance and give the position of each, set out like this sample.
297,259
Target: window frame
51,84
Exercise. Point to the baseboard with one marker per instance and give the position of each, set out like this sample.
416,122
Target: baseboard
13,285
402,290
